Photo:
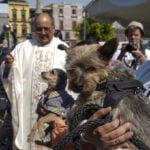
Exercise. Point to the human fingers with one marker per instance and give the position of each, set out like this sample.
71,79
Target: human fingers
9,59
114,136
91,135
120,141
101,133
100,113
139,55
117,136
107,128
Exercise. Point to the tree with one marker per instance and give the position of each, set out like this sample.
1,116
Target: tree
99,31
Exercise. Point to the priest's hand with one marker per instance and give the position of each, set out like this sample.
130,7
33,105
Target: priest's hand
9,59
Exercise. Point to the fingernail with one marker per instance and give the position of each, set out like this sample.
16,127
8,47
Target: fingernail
130,134
128,124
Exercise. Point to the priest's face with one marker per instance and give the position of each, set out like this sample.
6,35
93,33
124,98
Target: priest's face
44,29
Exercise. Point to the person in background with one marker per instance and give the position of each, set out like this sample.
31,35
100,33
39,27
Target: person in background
24,83
8,41
135,52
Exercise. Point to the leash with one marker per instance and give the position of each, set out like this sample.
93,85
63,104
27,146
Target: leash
139,144
74,135
86,111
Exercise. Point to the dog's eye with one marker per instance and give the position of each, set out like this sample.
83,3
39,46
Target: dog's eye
70,70
91,69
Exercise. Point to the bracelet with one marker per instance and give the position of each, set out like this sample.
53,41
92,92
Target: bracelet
82,137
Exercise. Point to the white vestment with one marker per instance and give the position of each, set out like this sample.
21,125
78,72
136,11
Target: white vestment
24,84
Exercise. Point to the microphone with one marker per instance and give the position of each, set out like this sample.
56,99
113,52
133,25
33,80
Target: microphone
62,47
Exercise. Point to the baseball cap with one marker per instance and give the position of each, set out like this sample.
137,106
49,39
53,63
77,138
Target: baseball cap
136,24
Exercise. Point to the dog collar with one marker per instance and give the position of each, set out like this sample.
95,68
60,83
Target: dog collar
116,90
119,85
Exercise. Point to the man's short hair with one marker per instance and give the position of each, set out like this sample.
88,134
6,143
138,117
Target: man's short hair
134,25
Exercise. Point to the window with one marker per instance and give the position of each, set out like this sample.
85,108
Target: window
14,14
61,11
67,36
23,15
24,29
15,28
74,24
61,25
74,11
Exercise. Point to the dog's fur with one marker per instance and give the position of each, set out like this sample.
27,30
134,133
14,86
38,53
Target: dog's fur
56,104
87,66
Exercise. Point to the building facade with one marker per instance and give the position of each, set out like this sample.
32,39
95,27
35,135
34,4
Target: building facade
19,15
3,15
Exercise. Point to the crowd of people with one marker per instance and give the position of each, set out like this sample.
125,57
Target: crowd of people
23,84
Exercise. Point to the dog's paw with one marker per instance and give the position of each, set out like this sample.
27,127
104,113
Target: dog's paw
30,138
41,134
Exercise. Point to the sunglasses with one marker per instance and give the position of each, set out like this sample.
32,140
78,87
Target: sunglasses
40,29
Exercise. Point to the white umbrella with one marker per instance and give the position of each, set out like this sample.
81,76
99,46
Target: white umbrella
122,11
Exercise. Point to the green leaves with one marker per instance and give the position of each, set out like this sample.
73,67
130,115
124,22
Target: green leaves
99,31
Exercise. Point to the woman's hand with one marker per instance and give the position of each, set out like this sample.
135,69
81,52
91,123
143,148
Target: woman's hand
109,135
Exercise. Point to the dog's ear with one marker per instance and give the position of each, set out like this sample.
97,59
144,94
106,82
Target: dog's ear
108,49
63,47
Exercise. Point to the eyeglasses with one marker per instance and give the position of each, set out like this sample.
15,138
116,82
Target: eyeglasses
40,29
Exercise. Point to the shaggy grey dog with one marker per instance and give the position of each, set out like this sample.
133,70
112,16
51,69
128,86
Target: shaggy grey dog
88,66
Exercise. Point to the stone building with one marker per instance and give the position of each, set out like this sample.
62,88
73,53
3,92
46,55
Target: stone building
66,18
19,15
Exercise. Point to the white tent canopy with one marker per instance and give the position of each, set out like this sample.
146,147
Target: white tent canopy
122,11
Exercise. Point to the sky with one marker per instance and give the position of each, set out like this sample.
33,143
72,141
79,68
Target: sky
46,2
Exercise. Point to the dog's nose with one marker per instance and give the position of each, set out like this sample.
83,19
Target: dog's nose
42,73
79,86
